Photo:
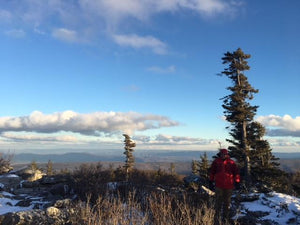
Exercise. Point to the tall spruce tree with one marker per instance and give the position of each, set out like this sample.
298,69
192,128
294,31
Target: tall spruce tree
248,147
129,162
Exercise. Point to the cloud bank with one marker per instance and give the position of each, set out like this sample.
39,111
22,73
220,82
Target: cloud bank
281,126
86,124
93,130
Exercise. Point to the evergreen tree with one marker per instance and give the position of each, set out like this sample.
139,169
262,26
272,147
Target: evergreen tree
195,169
204,166
49,168
296,183
248,147
33,166
265,166
5,163
172,168
129,162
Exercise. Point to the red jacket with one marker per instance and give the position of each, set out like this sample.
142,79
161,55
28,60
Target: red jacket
224,173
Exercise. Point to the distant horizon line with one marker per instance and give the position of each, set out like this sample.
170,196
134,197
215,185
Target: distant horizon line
95,151
113,152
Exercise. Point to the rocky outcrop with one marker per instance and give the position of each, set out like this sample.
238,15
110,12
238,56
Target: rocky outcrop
30,174
36,200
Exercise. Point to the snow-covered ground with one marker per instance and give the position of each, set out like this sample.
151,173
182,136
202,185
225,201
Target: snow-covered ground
7,204
277,207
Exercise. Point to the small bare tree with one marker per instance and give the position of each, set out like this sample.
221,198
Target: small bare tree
129,162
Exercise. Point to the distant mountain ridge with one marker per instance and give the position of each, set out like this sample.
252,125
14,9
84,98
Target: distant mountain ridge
60,158
140,156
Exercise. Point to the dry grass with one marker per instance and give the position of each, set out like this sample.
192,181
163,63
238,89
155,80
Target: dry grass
158,209
109,211
167,209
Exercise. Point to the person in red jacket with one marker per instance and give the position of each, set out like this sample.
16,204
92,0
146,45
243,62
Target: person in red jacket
224,173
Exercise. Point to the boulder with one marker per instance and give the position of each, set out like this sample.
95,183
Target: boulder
55,179
53,212
194,179
34,217
60,189
36,175
24,203
247,220
30,174
9,182
29,184
47,180
65,203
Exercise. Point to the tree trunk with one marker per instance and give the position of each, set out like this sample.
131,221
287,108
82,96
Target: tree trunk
246,155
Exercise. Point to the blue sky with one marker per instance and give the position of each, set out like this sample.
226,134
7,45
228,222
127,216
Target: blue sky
77,74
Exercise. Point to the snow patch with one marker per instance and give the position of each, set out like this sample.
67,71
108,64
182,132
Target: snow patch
280,207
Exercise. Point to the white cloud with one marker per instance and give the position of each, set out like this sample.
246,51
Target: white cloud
67,35
281,126
205,6
16,33
87,124
116,9
283,142
156,69
138,42
165,139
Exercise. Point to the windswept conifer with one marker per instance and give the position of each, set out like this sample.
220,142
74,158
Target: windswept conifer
252,152
129,162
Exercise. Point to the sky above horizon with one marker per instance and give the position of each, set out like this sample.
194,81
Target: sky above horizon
76,75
